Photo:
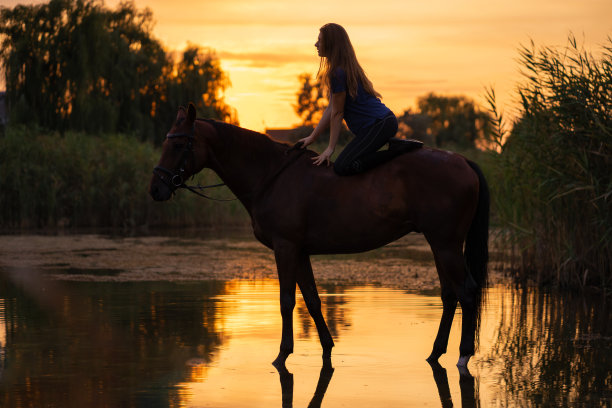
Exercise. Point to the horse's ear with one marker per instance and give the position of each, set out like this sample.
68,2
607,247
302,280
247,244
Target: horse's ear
181,113
191,113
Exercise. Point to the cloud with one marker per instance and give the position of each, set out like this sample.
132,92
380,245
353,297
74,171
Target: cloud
265,59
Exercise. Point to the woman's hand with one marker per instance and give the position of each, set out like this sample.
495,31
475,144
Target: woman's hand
323,157
306,141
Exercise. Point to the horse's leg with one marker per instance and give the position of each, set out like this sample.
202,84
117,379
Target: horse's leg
287,264
308,287
449,305
452,265
467,295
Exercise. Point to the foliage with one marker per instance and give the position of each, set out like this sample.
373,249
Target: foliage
76,65
415,125
197,78
79,180
444,121
310,100
553,177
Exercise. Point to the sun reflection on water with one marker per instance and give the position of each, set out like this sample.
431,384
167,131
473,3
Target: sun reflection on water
211,343
381,335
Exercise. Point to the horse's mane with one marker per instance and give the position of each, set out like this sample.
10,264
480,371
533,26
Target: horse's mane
249,136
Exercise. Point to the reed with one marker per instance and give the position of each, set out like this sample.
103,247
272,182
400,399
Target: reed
552,180
81,180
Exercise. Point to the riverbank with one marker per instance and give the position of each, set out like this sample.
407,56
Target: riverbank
405,264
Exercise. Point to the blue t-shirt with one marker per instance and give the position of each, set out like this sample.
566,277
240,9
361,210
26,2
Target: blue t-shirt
362,111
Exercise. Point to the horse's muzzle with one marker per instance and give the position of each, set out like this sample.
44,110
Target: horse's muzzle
159,191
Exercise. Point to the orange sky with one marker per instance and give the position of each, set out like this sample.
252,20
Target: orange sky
407,47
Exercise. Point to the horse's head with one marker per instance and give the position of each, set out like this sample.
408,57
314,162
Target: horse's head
177,162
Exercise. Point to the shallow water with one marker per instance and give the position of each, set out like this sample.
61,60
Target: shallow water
210,344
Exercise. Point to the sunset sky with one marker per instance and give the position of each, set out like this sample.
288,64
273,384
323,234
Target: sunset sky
407,47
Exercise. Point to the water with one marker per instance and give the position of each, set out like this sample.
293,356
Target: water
103,342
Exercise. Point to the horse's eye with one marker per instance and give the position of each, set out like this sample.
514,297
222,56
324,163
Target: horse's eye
178,146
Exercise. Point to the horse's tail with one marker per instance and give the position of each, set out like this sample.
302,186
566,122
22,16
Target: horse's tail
476,244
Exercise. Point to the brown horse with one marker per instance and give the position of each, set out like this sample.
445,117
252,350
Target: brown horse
298,209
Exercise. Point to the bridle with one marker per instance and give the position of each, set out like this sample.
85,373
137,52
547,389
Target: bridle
176,179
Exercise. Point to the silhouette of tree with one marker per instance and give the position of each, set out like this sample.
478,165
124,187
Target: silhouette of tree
198,78
310,100
447,121
415,125
74,64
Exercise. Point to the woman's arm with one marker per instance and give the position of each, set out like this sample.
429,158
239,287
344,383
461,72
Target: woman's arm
321,127
335,124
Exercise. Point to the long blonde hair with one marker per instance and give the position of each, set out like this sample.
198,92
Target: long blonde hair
338,52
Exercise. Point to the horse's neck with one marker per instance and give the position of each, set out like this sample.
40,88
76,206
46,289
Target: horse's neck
245,160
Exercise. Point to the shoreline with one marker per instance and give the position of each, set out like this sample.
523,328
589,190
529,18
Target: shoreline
403,264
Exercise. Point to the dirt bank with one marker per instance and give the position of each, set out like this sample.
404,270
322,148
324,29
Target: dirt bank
406,263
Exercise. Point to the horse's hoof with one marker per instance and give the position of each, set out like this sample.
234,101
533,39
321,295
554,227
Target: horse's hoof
433,357
463,361
464,372
279,362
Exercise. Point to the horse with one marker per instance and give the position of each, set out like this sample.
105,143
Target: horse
298,209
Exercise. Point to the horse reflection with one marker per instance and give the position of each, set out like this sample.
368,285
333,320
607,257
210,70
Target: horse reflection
469,397
286,380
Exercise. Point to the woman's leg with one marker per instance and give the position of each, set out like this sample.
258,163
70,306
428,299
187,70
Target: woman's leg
362,152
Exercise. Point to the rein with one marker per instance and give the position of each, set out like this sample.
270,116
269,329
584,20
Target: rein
267,183
176,179
200,187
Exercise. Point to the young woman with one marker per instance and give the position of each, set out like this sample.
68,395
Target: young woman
352,98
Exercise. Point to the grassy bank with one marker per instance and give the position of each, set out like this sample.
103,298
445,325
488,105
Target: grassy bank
552,180
80,180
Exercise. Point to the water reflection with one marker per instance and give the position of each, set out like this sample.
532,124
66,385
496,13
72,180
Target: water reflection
126,344
103,345
552,349
286,380
469,393
192,344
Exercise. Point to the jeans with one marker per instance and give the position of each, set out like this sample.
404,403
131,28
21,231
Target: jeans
362,152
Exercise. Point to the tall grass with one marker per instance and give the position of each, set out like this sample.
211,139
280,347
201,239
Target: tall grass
553,177
80,180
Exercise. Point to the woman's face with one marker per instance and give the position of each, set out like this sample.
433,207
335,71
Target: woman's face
319,46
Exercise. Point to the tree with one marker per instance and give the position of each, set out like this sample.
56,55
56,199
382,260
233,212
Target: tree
415,125
310,100
447,121
198,78
74,64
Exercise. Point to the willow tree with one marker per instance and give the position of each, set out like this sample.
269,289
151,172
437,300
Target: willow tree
75,64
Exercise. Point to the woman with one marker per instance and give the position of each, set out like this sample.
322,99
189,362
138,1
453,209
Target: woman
352,98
